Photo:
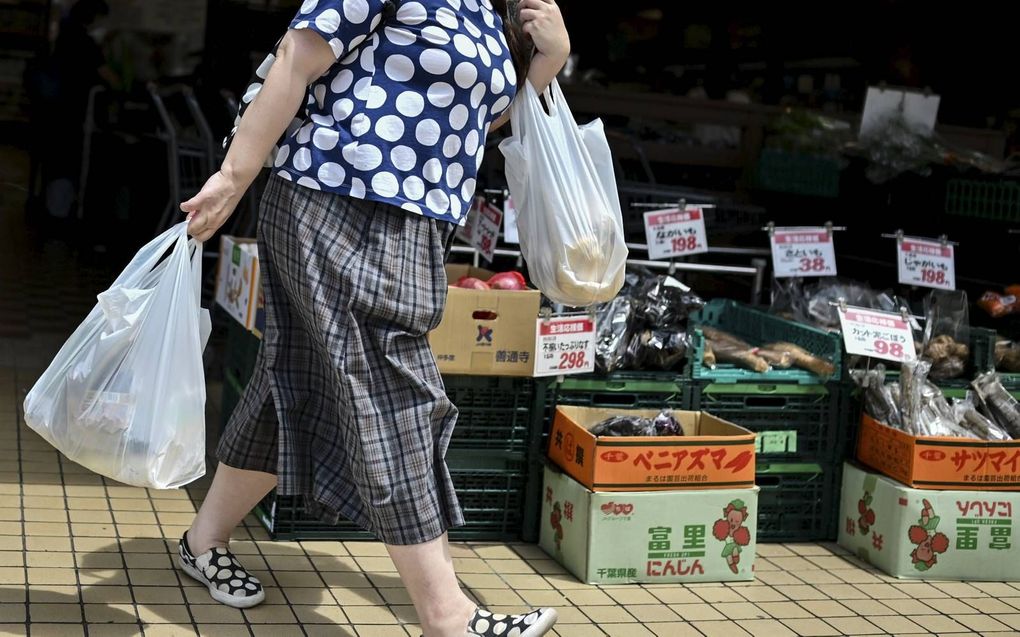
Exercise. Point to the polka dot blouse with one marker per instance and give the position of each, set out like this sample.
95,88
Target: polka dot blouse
401,118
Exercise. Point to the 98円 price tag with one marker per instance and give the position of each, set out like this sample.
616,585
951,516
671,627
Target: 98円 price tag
565,345
928,263
877,334
803,252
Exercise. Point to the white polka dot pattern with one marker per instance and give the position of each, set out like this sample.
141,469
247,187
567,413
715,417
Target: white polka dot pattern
402,116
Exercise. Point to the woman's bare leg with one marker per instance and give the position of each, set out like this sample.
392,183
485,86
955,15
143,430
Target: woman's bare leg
427,572
233,494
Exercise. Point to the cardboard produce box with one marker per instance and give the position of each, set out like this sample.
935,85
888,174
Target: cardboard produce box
237,281
712,453
939,462
914,533
649,537
486,332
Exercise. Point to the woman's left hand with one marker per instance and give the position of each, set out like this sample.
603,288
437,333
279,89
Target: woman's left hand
543,21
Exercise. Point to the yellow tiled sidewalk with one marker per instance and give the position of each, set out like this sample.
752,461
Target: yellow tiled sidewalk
80,555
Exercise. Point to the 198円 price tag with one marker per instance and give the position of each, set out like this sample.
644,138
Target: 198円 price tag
486,231
928,263
877,334
675,233
803,252
565,345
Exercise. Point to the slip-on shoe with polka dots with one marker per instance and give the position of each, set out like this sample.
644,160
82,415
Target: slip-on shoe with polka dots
228,582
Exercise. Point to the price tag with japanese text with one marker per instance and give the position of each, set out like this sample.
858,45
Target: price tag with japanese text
803,252
466,231
928,263
486,231
877,334
675,233
565,345
510,234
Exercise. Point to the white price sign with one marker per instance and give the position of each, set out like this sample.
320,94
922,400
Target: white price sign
928,263
675,233
565,345
510,234
486,231
803,252
877,334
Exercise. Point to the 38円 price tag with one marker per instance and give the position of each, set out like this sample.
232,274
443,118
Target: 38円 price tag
877,334
803,252
675,233
565,345
486,230
928,263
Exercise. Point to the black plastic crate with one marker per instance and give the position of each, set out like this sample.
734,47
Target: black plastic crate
494,489
497,412
798,502
794,422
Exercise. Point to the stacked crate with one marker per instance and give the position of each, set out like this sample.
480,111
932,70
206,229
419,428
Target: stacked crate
800,419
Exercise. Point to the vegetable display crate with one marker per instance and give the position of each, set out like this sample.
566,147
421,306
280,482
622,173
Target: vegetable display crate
626,390
759,328
502,413
242,348
989,200
794,422
798,502
798,174
494,490
982,359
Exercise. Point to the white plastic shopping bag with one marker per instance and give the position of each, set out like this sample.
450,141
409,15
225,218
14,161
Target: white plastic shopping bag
125,396
568,211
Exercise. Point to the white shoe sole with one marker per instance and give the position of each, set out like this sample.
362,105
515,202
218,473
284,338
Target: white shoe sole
225,598
543,624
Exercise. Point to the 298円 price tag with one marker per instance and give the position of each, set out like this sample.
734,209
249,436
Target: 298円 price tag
803,252
565,345
675,233
927,263
877,334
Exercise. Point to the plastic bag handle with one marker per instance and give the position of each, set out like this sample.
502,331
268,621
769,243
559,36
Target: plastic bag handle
149,255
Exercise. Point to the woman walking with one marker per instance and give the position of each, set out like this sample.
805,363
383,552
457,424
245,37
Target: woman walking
346,407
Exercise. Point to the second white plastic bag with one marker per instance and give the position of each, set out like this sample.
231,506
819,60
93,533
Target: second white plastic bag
125,396
564,188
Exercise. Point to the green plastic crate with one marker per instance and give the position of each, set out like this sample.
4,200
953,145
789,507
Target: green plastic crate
499,413
794,422
494,488
624,390
759,328
798,173
997,200
798,502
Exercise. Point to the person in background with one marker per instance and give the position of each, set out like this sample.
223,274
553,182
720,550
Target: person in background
346,407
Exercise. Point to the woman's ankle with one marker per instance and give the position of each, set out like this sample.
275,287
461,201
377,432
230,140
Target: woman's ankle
199,542
451,621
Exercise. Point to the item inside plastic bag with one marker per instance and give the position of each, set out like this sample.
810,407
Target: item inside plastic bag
664,424
946,333
997,403
815,303
125,396
563,183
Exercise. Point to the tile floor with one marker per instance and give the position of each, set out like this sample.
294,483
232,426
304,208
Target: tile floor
80,555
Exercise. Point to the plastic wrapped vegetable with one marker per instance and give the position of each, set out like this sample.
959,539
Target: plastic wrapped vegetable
664,424
970,418
512,280
879,401
912,380
664,301
661,349
998,403
1007,356
614,322
804,359
946,333
472,283
730,349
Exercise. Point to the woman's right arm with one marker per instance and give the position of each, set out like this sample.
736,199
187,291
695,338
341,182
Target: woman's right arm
301,57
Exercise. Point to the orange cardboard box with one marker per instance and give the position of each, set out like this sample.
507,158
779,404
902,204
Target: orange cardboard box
712,453
939,462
